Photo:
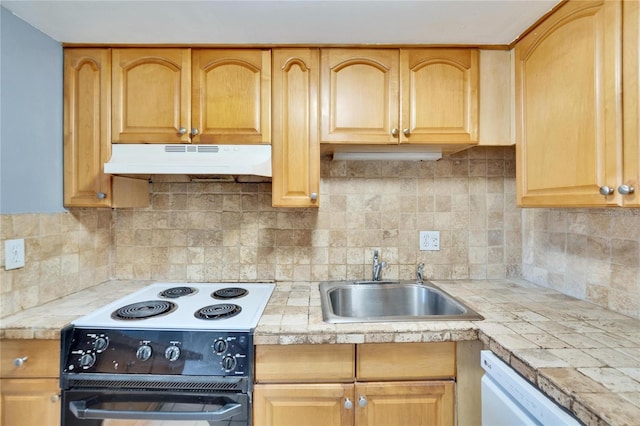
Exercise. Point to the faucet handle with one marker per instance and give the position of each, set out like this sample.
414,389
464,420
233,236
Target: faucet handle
419,272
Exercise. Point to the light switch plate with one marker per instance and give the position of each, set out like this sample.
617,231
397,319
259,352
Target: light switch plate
14,254
429,240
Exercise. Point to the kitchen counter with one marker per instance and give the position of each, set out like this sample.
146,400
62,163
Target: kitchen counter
584,357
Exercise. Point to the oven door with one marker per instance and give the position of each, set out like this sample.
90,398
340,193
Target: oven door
87,407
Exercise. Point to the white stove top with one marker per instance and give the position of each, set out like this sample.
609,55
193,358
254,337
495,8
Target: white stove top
182,316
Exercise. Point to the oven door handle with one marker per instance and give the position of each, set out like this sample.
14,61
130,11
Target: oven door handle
80,410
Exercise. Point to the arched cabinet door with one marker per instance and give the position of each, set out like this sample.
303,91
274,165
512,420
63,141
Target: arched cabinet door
151,95
231,100
439,92
359,95
568,107
295,146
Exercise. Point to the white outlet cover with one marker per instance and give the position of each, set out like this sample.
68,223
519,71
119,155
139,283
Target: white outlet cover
14,254
429,240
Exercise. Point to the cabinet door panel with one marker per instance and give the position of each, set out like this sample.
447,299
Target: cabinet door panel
359,95
405,403
308,405
29,402
568,106
151,95
87,144
295,145
439,95
631,88
232,96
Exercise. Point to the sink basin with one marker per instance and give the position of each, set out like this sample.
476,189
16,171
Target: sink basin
370,301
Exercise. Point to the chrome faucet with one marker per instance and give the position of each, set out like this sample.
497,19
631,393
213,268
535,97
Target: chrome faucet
377,266
419,273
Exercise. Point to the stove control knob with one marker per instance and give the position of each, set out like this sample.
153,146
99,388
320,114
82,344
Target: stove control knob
144,352
220,346
172,353
228,363
100,344
87,360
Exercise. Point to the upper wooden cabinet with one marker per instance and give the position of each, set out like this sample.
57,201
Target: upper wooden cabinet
87,142
295,146
569,109
182,95
390,96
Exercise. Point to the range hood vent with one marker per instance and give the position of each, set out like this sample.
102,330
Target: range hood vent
130,159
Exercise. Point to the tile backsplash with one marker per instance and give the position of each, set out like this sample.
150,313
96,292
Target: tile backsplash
209,231
204,230
591,254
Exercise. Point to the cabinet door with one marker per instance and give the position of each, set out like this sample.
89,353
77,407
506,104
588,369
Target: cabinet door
87,144
568,107
439,92
29,402
231,96
359,96
308,405
295,146
631,89
405,403
151,95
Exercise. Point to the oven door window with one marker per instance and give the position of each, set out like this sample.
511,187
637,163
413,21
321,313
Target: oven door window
147,409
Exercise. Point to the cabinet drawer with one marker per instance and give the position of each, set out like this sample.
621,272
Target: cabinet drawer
43,358
304,363
410,361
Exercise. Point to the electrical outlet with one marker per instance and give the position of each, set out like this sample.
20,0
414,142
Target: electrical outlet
14,254
429,240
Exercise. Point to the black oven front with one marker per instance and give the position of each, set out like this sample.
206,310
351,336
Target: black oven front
153,378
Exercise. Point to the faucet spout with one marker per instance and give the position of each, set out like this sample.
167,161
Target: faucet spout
377,266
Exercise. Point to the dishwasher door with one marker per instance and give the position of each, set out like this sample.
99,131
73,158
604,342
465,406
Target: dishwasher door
509,400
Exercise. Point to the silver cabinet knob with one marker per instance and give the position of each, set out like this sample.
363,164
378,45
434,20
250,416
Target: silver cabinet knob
101,195
394,132
314,196
348,404
626,189
54,398
182,130
406,132
362,401
194,131
606,190
19,362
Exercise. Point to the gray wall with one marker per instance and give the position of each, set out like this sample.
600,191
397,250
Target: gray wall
30,118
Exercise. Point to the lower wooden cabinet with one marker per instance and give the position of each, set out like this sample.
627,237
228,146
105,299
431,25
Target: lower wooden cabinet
384,384
29,386
361,404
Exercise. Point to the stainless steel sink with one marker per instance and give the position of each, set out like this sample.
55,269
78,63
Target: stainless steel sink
371,301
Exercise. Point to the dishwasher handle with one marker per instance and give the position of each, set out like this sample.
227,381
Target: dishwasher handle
81,411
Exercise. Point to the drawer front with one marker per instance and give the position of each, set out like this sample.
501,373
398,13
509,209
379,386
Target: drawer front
40,358
305,363
406,361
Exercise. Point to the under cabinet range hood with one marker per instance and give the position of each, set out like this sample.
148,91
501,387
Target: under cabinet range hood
157,159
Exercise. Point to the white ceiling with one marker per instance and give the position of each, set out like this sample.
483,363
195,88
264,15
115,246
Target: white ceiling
282,22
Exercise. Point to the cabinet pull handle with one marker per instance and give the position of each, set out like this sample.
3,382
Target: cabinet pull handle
406,132
362,401
54,398
394,132
314,196
101,195
348,404
182,130
626,189
194,131
606,190
19,362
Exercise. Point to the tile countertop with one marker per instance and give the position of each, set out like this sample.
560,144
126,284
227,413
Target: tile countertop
583,356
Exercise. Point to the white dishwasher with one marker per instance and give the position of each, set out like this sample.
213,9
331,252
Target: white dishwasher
509,400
